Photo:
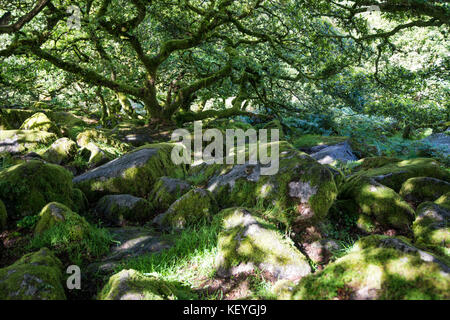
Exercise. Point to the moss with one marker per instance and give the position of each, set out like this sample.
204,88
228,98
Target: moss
393,175
80,202
69,234
302,190
99,138
378,267
133,285
120,209
192,207
61,151
444,200
374,162
166,191
27,187
247,243
39,121
309,140
420,189
136,180
379,207
25,140
36,276
431,226
69,124
3,216
274,124
11,119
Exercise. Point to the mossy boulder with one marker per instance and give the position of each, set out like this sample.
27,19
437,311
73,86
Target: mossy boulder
122,208
379,208
133,285
57,213
97,156
69,124
27,187
432,225
421,189
39,121
444,200
374,162
68,233
62,151
3,216
12,119
21,141
248,244
192,207
379,267
36,276
393,175
301,191
100,138
166,191
134,173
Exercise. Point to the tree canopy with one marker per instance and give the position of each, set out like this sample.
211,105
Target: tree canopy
269,57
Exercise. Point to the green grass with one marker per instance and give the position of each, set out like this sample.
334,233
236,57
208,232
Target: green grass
92,246
190,258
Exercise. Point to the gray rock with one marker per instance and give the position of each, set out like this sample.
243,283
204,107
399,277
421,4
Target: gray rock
131,242
440,141
339,152
134,173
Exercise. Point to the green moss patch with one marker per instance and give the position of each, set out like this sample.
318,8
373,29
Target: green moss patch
69,234
246,244
36,276
379,207
195,205
379,267
393,175
134,173
133,285
27,187
418,190
432,225
39,121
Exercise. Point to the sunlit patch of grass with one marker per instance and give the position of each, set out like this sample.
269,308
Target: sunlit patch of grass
190,260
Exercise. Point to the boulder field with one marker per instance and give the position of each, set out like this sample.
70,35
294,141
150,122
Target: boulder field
126,209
